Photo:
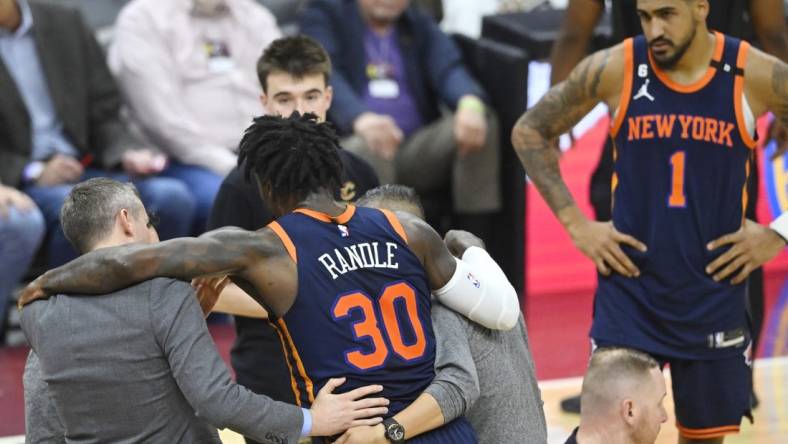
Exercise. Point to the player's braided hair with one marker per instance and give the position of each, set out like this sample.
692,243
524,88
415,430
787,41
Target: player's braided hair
292,156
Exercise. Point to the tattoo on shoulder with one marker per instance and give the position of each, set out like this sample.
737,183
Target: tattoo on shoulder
780,90
563,105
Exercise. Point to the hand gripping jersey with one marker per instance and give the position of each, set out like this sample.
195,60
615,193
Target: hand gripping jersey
682,158
362,309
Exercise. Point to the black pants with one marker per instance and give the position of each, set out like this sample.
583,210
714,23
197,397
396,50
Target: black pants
601,200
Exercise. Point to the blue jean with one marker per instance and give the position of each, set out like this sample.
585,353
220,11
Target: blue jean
203,184
20,235
168,198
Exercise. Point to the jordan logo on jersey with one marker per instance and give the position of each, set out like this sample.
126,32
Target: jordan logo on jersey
643,92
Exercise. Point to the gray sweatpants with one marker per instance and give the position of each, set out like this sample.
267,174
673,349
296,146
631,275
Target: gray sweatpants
428,161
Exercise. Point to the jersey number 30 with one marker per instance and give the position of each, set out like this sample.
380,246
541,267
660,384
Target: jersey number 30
369,327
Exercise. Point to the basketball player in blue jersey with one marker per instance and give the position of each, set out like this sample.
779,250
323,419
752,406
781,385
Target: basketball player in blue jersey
683,103
348,288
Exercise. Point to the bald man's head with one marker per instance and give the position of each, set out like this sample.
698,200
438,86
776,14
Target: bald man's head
624,388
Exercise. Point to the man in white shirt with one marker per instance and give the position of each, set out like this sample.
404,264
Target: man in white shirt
187,70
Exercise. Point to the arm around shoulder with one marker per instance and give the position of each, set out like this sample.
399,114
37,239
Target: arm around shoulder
474,286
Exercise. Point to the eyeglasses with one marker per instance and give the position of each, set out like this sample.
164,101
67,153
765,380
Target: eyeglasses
153,220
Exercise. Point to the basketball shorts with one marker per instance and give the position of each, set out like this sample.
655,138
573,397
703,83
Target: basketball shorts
710,396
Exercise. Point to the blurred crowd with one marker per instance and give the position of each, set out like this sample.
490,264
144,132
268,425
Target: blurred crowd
162,95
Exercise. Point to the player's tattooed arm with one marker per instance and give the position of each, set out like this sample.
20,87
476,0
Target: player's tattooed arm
557,112
779,86
596,79
219,252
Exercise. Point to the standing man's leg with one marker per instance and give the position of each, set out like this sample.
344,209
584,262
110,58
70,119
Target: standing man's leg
21,232
384,168
601,198
755,295
49,200
203,186
171,201
428,161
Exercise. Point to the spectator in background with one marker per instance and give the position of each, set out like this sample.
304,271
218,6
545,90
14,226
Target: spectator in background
187,69
21,230
393,70
622,398
294,74
59,121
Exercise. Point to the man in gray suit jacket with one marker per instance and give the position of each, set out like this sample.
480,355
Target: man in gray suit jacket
59,121
139,365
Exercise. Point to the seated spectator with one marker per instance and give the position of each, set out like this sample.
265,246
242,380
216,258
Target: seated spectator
146,369
21,230
59,121
187,69
393,70
621,400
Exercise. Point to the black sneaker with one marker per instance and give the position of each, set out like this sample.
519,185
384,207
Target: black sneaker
571,404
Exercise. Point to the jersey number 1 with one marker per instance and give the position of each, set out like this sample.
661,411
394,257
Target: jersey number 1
677,199
369,327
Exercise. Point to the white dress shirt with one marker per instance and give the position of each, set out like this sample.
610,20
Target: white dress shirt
191,81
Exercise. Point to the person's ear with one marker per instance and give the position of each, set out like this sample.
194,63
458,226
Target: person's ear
329,96
627,411
701,10
124,221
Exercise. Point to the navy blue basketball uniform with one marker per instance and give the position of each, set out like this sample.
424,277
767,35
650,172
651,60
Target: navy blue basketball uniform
362,310
682,158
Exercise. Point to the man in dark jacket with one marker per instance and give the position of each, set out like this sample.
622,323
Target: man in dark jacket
59,120
394,70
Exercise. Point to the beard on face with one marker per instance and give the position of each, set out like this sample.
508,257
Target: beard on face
670,61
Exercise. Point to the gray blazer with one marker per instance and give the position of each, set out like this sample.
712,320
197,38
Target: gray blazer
139,366
82,89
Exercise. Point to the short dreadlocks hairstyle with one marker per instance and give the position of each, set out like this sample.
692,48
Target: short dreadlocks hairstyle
292,156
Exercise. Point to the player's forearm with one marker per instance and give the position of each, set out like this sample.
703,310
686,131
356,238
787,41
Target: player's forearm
109,269
558,111
98,272
540,161
237,302
422,415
